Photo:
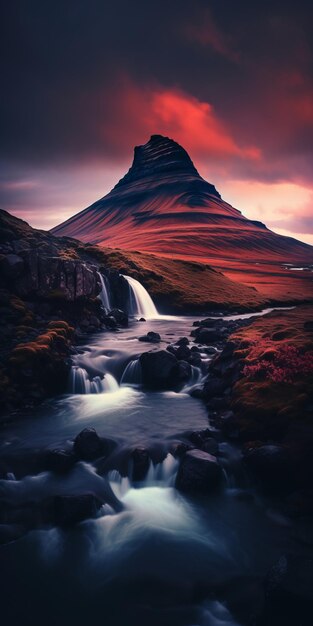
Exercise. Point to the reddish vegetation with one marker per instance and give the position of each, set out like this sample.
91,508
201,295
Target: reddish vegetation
288,365
277,357
162,206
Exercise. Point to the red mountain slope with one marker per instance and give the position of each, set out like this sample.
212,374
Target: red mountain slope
163,206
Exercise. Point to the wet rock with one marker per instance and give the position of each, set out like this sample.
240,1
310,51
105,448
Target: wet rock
214,387
60,461
159,369
182,341
199,472
119,316
88,445
110,322
140,461
150,337
183,372
289,592
141,319
183,353
207,335
203,440
72,509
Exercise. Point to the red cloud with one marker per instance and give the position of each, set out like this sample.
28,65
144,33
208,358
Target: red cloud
174,113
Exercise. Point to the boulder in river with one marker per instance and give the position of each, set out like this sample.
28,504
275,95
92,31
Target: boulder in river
140,461
199,472
72,509
150,337
88,445
159,369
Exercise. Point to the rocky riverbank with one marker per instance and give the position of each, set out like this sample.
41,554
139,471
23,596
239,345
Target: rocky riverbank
259,394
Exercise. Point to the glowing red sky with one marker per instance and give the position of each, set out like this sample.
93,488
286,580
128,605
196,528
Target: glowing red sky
232,83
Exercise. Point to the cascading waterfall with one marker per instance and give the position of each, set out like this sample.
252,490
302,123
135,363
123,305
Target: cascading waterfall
160,474
81,383
105,293
140,301
132,374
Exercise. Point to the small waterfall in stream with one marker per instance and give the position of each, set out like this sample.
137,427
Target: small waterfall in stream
140,301
132,374
81,383
160,474
104,294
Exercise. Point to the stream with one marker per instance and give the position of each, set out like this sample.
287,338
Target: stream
165,559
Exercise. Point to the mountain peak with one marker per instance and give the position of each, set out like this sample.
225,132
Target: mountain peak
162,157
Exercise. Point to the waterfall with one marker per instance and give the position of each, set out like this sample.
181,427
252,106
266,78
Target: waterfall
105,293
162,475
140,301
194,380
132,374
81,383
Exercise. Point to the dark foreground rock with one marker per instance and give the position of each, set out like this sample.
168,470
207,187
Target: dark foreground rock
199,471
289,592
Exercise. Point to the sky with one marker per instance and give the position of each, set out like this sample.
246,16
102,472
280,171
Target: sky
86,81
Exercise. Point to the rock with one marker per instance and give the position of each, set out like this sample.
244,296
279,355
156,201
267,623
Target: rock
183,372
142,319
203,440
207,335
94,321
88,445
159,369
199,472
120,317
214,387
72,509
60,461
289,592
182,341
11,266
183,353
271,466
140,462
110,322
195,359
150,337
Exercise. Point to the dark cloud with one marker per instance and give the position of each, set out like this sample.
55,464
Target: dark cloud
81,81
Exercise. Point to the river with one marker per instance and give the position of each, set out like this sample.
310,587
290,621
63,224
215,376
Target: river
166,559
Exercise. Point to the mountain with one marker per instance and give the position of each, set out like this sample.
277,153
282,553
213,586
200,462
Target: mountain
163,206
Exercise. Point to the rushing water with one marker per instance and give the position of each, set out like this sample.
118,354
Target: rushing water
143,565
105,293
141,302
